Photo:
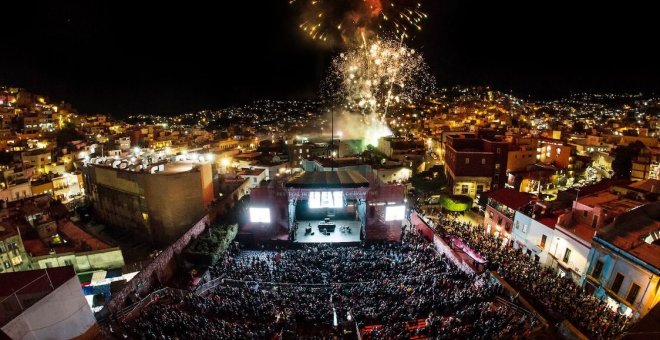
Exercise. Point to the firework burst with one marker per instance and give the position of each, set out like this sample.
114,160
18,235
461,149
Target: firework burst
378,76
369,80
344,21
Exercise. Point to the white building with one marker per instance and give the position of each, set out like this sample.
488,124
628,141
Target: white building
534,231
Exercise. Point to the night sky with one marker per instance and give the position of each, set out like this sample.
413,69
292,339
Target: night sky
114,57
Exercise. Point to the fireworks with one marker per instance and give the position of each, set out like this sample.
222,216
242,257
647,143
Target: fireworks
369,80
345,20
375,77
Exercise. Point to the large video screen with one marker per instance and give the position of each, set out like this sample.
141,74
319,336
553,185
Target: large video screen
395,212
259,215
326,199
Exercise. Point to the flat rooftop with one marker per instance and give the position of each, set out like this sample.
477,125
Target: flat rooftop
328,179
633,230
78,241
610,202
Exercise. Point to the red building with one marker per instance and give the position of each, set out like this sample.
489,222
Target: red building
475,165
500,210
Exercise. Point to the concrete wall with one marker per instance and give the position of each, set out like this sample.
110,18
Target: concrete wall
159,207
174,202
62,314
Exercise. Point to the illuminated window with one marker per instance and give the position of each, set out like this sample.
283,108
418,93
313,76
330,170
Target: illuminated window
559,151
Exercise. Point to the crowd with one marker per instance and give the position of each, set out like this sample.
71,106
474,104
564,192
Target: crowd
559,296
326,288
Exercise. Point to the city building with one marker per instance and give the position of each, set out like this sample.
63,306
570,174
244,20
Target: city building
501,208
156,200
475,165
624,262
533,231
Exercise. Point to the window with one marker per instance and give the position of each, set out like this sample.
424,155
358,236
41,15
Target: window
467,161
529,252
497,166
483,161
632,294
525,228
480,188
585,213
567,255
68,262
543,239
598,268
49,265
536,258
464,189
616,285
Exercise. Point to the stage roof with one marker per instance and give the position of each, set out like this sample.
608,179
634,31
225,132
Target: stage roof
329,180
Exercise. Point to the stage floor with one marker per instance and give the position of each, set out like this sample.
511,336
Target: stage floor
335,237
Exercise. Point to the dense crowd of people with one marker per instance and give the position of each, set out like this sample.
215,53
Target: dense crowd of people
560,296
324,288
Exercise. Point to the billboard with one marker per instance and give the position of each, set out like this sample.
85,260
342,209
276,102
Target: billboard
395,212
259,215
326,199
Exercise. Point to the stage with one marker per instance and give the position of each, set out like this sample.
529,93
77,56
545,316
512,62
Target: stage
336,236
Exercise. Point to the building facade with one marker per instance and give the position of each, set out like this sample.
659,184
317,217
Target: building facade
624,262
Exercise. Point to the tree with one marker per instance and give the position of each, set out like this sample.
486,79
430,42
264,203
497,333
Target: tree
67,135
429,182
578,127
456,203
623,158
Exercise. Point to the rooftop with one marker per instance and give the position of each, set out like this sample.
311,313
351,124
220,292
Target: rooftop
610,202
328,179
32,283
649,185
636,232
78,241
251,172
511,198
